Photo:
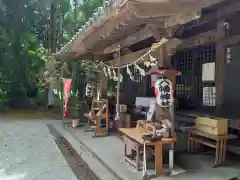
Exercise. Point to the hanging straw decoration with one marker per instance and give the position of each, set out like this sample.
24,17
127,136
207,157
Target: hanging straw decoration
130,73
142,72
152,62
105,71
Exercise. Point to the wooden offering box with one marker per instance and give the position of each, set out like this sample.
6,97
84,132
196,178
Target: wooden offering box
214,126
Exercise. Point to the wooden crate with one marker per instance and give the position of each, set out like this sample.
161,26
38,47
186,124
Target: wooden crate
214,126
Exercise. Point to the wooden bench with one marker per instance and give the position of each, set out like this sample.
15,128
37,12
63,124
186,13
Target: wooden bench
196,138
133,138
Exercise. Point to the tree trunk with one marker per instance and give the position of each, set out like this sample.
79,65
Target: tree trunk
20,71
53,27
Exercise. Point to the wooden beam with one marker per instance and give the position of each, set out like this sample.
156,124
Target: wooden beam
206,38
182,18
129,58
172,31
203,38
230,41
157,34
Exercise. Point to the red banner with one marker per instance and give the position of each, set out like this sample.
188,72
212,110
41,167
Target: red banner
67,85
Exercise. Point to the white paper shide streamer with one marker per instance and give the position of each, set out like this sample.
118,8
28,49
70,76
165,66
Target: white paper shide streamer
117,117
147,64
112,74
109,73
105,71
153,60
121,78
115,78
142,72
130,73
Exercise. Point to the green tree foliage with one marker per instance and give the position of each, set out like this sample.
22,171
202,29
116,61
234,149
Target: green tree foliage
25,33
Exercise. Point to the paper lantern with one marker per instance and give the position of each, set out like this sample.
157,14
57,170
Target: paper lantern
164,92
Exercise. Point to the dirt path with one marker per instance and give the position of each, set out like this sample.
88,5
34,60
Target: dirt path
31,150
28,114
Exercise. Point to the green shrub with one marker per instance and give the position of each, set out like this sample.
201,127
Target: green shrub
40,99
4,102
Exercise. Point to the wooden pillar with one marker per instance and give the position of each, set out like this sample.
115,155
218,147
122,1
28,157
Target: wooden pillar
162,56
103,79
104,84
220,65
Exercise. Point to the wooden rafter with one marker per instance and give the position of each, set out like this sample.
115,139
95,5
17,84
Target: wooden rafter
145,33
126,30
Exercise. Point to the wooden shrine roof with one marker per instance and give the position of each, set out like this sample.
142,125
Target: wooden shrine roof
127,18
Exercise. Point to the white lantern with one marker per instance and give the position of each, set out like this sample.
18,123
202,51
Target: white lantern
164,92
105,71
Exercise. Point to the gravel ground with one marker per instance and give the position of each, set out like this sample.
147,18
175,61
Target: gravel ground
30,152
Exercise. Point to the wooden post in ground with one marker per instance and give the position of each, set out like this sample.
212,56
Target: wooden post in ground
118,85
62,95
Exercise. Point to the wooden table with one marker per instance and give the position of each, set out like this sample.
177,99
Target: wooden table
195,138
135,134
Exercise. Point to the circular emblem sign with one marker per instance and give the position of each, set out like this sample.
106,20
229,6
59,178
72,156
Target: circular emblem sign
164,92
